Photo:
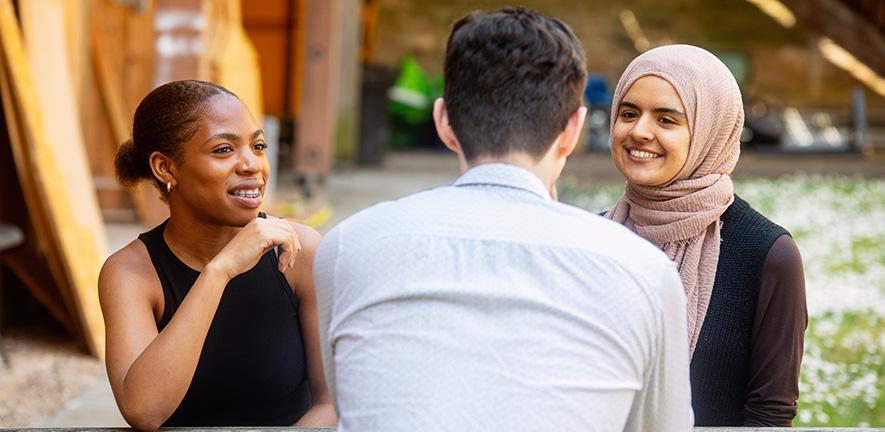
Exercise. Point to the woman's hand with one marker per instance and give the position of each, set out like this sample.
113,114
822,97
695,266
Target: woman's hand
259,236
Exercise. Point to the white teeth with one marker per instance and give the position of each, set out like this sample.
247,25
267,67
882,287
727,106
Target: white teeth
643,154
247,193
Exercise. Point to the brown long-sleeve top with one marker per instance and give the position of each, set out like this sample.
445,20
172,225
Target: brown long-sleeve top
778,338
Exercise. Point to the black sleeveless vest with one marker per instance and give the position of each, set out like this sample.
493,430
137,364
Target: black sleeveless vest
251,370
721,361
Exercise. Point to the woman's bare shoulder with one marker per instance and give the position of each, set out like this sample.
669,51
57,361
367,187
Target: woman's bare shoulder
300,277
130,268
308,236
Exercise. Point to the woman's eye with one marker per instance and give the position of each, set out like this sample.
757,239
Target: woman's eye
666,120
260,146
225,149
628,115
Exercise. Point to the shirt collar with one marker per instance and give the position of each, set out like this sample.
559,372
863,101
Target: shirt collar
505,175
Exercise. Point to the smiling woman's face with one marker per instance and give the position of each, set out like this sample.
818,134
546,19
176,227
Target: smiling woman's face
223,171
650,137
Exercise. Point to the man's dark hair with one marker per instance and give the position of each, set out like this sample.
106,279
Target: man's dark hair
513,77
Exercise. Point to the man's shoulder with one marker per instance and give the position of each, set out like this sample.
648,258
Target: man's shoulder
391,213
617,246
591,228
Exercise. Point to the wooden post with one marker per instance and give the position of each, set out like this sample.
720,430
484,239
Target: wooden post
349,81
329,118
316,128
296,57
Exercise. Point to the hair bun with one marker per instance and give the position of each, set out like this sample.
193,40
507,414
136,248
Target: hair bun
128,164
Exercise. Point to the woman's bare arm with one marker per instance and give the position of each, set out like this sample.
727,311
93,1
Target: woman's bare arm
322,411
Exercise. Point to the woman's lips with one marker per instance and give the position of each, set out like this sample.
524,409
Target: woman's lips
642,155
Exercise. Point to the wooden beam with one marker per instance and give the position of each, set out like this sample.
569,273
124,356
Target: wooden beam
59,301
297,44
844,26
54,157
347,115
26,261
316,127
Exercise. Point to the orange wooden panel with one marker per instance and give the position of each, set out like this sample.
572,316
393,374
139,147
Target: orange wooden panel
265,11
270,25
271,45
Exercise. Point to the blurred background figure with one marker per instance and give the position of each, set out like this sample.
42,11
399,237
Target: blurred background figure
598,98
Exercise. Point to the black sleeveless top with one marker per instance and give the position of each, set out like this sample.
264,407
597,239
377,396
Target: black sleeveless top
721,362
251,370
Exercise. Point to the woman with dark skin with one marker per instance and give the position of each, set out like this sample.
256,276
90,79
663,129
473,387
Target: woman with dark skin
213,356
677,117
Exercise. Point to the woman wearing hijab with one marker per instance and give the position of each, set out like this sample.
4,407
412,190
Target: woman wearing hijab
677,117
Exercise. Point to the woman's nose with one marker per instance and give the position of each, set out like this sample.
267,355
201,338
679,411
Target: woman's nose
249,162
643,130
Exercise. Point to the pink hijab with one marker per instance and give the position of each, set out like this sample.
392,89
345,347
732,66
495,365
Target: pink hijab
682,217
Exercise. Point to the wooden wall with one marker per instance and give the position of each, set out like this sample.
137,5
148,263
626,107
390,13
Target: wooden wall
275,28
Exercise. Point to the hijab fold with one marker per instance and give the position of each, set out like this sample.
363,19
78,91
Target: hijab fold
682,217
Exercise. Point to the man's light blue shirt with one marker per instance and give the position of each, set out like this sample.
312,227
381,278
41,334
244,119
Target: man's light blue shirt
486,305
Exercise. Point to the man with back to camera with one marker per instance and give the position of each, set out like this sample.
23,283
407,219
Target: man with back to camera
487,305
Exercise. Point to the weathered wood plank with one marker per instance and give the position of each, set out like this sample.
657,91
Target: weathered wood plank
53,159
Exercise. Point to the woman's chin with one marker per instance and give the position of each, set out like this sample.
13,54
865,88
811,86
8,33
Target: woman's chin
242,217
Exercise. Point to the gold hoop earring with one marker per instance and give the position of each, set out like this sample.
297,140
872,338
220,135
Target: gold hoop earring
168,187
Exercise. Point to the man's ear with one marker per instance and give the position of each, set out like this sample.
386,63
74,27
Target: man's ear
443,127
163,168
568,138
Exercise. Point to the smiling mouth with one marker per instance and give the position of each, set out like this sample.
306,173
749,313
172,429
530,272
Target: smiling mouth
253,193
639,154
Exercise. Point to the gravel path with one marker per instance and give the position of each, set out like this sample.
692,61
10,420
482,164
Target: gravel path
45,371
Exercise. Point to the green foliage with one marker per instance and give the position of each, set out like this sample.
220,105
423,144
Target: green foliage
843,373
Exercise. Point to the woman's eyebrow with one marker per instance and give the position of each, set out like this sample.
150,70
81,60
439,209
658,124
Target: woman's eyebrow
223,135
232,136
628,105
657,110
669,111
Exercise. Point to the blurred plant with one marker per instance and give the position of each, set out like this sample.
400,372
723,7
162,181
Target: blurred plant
411,102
